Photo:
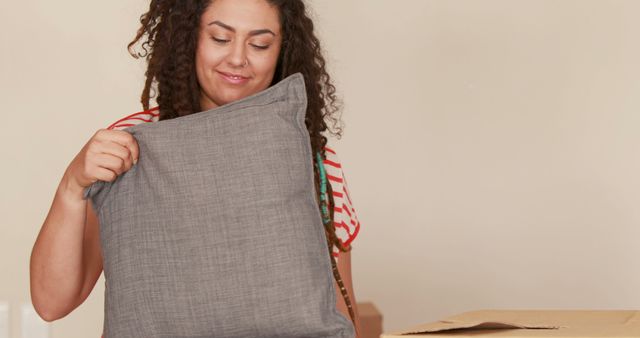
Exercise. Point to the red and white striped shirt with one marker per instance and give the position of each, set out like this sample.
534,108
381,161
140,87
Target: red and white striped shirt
345,220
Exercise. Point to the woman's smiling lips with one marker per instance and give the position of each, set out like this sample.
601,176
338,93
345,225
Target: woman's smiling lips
233,78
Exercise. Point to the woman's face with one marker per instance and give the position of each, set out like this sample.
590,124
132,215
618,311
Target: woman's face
238,46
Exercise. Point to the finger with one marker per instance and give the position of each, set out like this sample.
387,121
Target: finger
123,138
111,162
104,174
118,150
127,140
135,150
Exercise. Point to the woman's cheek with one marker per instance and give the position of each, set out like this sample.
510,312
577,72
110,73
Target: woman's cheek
266,62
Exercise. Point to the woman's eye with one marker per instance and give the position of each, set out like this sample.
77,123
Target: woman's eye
219,40
223,41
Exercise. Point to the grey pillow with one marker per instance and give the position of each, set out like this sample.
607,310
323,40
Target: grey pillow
216,231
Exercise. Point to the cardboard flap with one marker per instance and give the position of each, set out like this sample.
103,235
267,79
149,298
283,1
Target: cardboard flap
481,320
633,319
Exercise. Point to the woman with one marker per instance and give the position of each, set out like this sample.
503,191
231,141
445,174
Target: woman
201,55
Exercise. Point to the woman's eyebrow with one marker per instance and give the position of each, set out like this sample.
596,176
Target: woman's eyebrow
251,33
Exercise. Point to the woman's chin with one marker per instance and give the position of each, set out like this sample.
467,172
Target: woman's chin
231,97
224,97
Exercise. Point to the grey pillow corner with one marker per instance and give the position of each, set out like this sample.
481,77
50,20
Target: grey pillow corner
93,195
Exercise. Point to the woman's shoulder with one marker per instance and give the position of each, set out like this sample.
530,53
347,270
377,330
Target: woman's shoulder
333,167
331,157
345,218
151,115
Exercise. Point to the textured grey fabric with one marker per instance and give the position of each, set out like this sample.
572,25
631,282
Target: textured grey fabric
216,231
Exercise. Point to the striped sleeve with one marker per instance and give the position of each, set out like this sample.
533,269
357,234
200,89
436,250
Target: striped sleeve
345,219
151,115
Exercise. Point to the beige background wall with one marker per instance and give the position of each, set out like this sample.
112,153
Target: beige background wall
491,147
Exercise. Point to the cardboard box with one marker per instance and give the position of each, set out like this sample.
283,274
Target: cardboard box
530,323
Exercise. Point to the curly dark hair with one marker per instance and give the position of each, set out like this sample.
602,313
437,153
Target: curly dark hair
169,35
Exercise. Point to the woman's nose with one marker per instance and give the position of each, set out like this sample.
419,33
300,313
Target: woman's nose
238,55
